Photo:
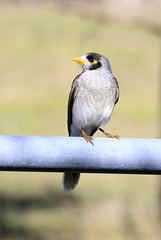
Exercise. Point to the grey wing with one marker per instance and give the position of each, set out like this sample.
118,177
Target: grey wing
117,91
72,96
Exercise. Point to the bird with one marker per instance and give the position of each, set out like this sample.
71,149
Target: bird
93,95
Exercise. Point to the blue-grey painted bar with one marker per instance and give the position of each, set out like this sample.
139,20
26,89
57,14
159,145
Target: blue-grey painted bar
59,154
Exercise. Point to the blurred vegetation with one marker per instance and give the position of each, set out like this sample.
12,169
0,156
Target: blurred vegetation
36,48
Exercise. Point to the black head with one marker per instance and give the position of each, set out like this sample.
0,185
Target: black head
93,61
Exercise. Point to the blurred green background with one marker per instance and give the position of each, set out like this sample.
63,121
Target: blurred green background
37,43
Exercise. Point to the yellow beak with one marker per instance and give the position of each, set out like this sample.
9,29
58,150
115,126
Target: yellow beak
79,60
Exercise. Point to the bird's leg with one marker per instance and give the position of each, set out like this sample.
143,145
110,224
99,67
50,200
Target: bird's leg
86,137
109,135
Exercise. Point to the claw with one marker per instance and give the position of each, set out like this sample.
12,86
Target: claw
109,135
86,137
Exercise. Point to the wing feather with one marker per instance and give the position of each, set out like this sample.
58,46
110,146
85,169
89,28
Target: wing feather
72,96
117,91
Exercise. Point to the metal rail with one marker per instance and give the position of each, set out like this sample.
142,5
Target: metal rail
59,154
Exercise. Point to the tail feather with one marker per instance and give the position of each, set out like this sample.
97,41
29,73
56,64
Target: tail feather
70,181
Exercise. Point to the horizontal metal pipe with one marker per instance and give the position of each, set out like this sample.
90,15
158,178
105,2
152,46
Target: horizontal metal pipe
68,154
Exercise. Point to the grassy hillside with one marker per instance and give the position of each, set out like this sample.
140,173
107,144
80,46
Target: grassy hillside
36,48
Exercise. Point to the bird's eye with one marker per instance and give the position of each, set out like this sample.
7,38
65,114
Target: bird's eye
94,61
91,60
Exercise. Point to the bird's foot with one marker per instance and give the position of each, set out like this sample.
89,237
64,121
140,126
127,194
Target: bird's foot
109,135
86,137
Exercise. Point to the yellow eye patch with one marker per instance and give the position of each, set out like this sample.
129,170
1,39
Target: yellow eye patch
94,62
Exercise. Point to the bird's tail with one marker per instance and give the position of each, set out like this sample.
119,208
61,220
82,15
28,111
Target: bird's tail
70,181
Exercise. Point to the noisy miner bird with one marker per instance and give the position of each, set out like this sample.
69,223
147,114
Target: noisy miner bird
92,98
